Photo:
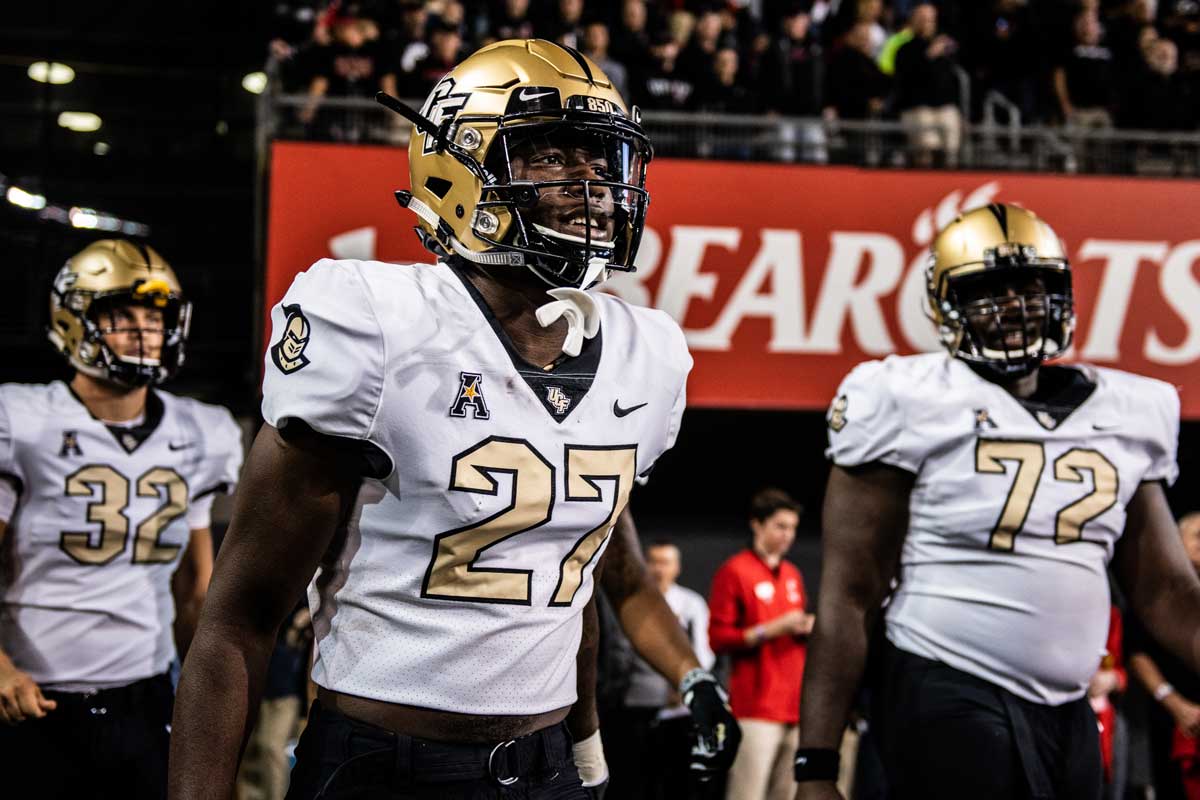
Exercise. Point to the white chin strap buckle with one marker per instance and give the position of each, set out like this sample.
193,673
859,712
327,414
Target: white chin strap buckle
581,312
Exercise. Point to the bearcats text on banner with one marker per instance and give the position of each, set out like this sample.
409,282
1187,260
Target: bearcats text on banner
784,277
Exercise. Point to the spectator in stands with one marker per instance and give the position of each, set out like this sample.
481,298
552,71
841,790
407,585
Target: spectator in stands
855,88
791,67
445,51
566,24
681,24
1084,82
1181,24
870,14
724,93
410,38
750,37
595,47
1147,36
1157,97
1003,55
927,90
1175,717
664,86
453,13
648,743
757,617
1123,31
887,54
631,39
352,65
697,59
513,21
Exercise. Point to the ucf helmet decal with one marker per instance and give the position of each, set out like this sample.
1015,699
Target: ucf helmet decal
288,352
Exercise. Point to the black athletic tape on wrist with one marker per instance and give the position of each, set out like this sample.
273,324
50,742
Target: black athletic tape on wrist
816,764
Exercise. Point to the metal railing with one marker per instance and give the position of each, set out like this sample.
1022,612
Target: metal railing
999,141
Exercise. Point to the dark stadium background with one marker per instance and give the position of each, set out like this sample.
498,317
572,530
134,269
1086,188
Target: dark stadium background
165,77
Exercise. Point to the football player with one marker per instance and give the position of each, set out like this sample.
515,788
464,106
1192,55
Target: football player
995,491
448,447
106,487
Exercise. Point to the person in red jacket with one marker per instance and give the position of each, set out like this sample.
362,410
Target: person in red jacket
757,616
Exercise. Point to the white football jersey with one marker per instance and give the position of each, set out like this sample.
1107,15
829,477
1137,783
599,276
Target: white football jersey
100,525
1014,513
469,555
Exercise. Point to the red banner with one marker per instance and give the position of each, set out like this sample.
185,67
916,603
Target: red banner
784,277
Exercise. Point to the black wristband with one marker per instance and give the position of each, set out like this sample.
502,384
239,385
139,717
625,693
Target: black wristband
817,764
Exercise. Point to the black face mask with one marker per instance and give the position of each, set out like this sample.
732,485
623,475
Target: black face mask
143,371
575,188
1013,318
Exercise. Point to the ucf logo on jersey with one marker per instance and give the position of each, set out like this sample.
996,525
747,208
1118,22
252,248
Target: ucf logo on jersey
557,398
288,352
837,414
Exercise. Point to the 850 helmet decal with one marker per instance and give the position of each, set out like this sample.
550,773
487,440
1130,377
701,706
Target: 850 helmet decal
998,286
102,277
525,155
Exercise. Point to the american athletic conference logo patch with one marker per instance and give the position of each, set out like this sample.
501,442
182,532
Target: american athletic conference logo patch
470,395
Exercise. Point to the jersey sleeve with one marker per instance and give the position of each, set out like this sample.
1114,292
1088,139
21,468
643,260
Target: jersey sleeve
9,468
1163,435
867,422
325,363
199,512
677,409
222,462
681,361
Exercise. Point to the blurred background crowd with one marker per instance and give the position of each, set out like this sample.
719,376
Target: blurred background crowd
1088,63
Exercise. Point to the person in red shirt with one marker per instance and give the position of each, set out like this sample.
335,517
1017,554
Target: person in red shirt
757,617
1106,685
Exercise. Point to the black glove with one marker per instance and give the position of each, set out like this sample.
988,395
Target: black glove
716,733
597,792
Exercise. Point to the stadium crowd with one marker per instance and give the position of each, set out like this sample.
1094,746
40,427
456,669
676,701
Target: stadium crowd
1088,63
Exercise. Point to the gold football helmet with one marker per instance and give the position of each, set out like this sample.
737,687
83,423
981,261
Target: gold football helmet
109,273
999,289
512,104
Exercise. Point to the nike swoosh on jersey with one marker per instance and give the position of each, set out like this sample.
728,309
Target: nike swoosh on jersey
180,445
621,412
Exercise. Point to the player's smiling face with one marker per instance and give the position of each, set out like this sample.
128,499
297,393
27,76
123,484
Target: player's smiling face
1007,310
565,209
133,332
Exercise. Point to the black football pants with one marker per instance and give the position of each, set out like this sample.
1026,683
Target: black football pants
947,734
106,745
340,758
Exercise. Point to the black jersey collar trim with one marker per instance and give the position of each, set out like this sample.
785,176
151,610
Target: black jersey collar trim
1061,391
130,438
571,376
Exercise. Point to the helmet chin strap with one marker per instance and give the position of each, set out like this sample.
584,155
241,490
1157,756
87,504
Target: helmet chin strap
581,312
